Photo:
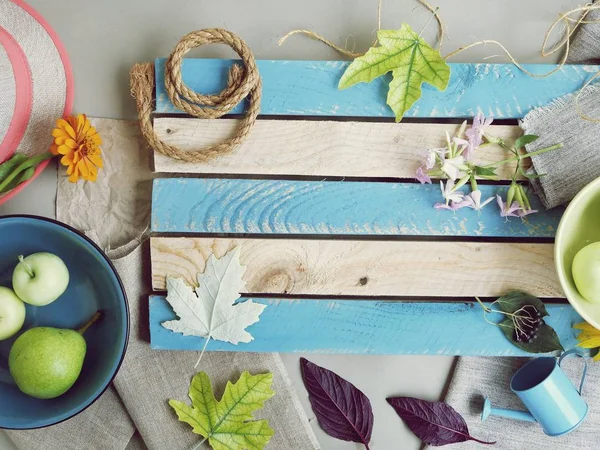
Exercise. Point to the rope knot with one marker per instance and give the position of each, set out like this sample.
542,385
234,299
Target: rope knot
242,82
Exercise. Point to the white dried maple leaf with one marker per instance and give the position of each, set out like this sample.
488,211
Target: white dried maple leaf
210,311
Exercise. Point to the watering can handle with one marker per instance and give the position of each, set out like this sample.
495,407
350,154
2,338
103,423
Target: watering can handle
582,354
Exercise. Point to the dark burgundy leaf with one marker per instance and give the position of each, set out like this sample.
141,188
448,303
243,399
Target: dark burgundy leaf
435,423
342,410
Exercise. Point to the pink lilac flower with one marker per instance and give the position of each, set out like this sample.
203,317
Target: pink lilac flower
475,133
449,194
422,176
467,148
507,211
475,198
453,206
431,157
453,166
525,212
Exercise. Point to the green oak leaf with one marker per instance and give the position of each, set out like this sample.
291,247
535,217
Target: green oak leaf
412,62
228,424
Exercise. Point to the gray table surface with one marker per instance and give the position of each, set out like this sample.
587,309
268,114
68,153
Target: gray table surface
104,38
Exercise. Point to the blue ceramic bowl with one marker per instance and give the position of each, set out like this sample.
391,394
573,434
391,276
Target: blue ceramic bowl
94,286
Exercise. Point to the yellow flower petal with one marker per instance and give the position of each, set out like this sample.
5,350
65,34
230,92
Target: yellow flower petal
67,160
58,132
72,144
96,159
67,127
54,149
590,343
61,140
64,150
586,326
93,171
81,166
87,126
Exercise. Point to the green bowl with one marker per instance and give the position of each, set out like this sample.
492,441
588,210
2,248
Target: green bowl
579,226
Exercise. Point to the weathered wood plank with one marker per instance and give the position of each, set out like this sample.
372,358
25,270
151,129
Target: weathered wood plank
310,88
365,326
367,268
349,208
318,148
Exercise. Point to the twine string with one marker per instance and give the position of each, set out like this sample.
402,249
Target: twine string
351,54
242,82
565,18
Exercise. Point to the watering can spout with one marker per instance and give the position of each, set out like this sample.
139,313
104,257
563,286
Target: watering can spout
489,410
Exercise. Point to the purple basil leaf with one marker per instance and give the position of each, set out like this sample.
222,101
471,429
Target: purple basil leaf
435,423
342,410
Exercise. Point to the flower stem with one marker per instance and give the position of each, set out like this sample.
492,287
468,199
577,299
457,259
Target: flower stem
527,155
473,183
34,161
485,308
28,269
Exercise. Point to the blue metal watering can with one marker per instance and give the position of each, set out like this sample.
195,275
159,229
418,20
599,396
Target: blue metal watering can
548,394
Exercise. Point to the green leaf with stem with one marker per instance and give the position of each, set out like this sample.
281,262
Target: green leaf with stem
524,140
412,62
486,172
546,341
228,424
514,306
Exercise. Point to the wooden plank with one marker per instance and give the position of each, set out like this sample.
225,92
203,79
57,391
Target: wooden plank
193,205
318,148
367,268
365,326
310,88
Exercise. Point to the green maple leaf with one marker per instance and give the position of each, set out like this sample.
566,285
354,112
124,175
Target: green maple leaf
410,59
227,424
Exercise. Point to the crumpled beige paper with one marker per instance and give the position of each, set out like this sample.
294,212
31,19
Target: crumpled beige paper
124,183
115,212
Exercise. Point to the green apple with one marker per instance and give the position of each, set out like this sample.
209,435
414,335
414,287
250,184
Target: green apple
45,362
40,278
12,313
586,272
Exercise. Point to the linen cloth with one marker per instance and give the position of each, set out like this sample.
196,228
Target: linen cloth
566,171
116,210
476,378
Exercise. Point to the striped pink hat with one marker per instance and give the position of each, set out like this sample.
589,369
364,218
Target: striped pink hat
36,83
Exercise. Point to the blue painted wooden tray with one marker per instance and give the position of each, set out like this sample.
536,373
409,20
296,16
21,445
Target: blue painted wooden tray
339,241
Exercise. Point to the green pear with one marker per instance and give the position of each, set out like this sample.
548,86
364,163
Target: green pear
45,362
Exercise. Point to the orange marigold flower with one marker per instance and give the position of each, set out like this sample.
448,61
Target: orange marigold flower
79,144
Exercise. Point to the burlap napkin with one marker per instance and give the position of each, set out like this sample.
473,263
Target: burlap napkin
115,213
568,170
